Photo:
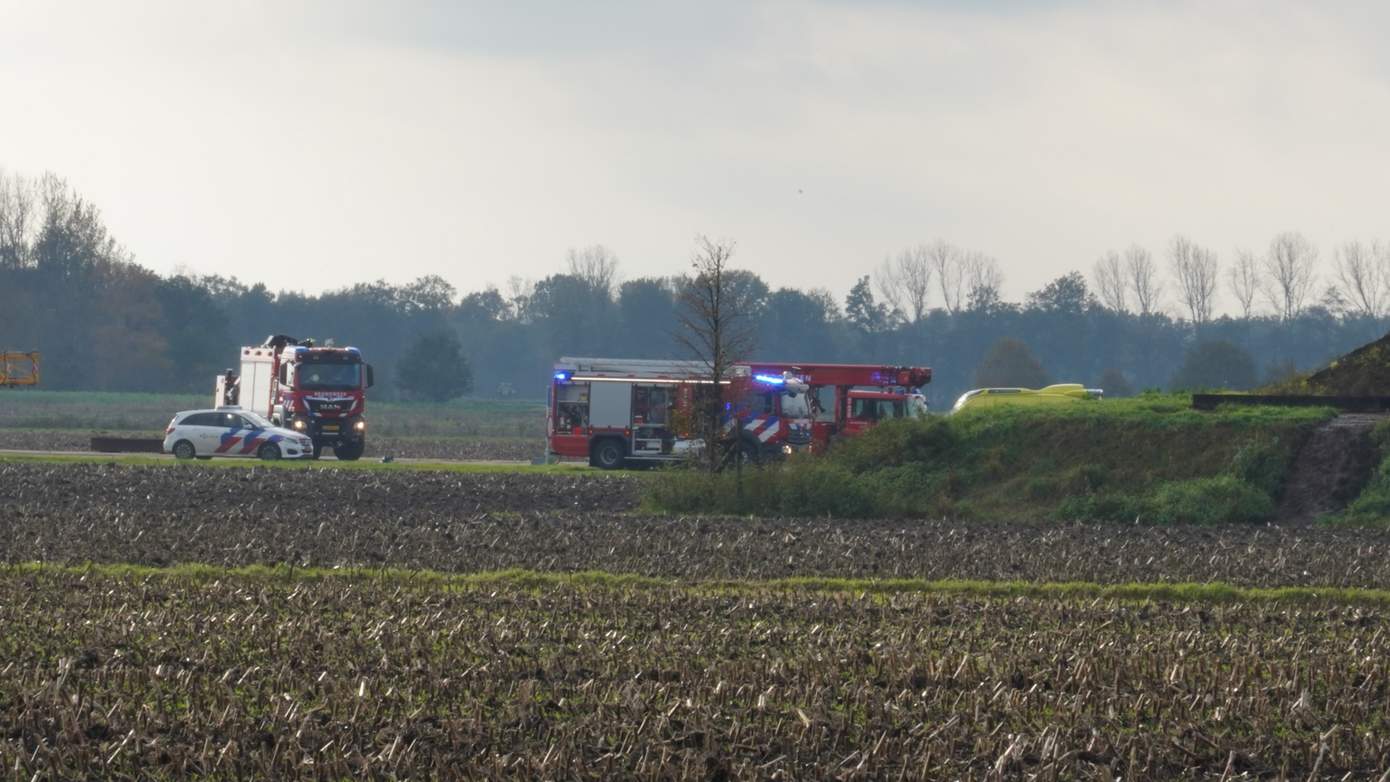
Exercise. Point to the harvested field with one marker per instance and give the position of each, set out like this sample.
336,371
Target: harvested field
239,677
473,523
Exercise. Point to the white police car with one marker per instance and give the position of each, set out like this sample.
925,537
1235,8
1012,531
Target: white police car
231,431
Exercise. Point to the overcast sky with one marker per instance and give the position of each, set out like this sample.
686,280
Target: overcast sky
344,141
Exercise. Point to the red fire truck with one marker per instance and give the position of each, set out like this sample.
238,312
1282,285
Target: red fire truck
318,391
616,412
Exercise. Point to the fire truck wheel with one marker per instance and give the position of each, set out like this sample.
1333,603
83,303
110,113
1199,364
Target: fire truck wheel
748,452
269,452
349,453
608,454
184,450
318,451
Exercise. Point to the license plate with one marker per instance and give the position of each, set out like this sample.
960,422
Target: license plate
330,427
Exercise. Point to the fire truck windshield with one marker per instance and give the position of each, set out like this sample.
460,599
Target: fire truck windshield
318,376
795,405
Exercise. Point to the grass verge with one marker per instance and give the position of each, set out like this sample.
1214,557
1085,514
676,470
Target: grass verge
143,460
1148,459
1212,592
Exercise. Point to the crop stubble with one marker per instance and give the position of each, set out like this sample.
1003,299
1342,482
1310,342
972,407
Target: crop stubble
470,523
124,677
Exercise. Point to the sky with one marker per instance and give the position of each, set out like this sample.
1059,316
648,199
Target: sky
312,145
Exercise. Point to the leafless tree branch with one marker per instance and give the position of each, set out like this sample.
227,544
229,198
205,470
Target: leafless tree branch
597,266
1195,269
1111,282
1244,280
1361,271
716,330
1290,270
1143,279
904,281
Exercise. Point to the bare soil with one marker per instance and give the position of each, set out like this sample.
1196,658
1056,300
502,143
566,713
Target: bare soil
470,523
1331,468
168,678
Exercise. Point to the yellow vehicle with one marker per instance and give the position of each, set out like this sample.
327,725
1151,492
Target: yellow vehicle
1060,393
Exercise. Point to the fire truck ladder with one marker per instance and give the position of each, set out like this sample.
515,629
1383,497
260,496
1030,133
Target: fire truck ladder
19,369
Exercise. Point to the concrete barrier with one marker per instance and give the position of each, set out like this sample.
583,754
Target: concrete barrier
127,445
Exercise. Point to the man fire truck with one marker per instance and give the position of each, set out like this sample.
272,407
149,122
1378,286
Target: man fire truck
621,411
320,391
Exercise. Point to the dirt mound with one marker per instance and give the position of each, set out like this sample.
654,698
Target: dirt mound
1362,372
1331,468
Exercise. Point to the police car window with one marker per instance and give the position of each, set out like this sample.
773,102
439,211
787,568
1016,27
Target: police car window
200,419
233,421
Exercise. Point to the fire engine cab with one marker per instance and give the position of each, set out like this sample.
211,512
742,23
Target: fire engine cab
616,412
316,391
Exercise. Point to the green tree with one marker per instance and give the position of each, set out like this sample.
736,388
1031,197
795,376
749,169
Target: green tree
435,368
1216,364
1066,295
863,312
1010,364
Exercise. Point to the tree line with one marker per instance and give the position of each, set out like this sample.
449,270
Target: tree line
1138,320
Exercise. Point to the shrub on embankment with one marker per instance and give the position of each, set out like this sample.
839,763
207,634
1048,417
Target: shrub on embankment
1149,459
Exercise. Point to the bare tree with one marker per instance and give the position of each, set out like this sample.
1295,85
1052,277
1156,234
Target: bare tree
1361,270
717,332
1289,273
1244,280
905,281
17,221
597,266
1194,267
983,277
1111,282
1142,277
945,260
519,293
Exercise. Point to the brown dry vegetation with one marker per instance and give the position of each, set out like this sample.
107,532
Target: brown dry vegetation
122,677
471,523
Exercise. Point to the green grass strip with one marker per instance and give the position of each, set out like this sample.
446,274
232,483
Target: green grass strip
139,460
1212,592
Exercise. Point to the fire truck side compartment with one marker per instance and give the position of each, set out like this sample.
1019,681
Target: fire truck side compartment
256,380
610,405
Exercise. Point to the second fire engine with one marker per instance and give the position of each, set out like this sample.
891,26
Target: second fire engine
616,412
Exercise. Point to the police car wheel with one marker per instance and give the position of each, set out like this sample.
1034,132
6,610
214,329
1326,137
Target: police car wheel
184,450
269,452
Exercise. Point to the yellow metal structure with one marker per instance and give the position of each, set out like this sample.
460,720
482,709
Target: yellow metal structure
19,369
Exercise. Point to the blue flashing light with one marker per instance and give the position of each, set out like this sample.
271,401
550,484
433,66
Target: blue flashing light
775,380
562,376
